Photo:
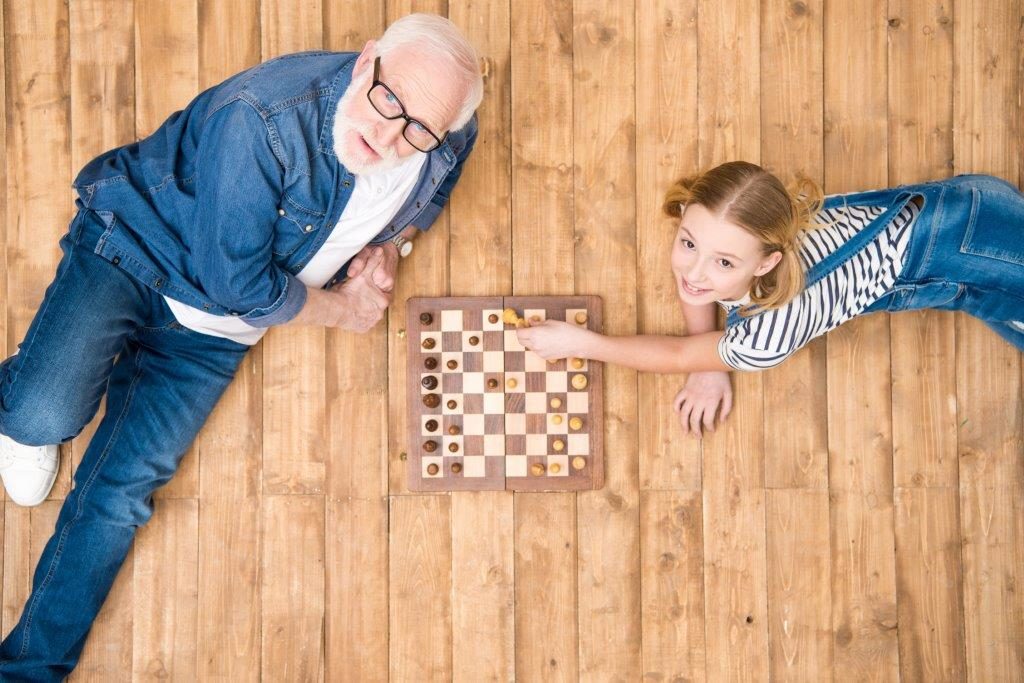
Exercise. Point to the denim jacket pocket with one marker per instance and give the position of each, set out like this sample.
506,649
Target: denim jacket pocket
996,226
296,224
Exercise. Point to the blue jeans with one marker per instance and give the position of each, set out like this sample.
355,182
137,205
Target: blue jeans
97,330
966,252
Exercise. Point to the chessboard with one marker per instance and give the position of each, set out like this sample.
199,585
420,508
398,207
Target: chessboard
485,413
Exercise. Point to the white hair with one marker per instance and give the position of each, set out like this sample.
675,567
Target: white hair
443,39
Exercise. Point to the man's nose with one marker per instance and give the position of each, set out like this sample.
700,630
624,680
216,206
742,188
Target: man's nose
390,132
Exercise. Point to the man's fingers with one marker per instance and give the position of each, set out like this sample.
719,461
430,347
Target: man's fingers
709,420
677,403
726,405
695,417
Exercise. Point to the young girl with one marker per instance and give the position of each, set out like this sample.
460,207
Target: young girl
788,266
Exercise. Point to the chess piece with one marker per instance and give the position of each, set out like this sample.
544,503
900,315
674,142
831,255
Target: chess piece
555,468
492,318
556,419
431,400
429,382
509,316
426,318
492,383
429,343
579,381
430,446
432,469
577,363
453,430
473,341
581,318
453,447
556,403
452,404
511,383
558,445
430,363
456,467
431,425
575,423
579,462
537,469
452,364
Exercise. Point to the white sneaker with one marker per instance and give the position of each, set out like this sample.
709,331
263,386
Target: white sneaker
28,472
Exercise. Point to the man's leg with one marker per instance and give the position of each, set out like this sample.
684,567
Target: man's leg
51,388
162,388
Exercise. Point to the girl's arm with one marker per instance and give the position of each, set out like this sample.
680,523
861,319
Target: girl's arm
700,319
647,353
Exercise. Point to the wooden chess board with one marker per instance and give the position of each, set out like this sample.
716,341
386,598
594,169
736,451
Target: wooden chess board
485,413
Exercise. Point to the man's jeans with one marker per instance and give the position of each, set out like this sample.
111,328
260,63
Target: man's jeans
100,330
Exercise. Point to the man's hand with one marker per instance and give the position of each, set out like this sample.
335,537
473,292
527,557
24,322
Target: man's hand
361,302
384,274
699,400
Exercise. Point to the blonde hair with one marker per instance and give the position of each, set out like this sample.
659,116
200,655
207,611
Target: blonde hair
752,198
443,39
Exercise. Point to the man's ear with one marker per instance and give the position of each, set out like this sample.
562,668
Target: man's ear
768,263
366,57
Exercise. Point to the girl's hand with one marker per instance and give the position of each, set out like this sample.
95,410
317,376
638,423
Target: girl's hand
554,339
699,400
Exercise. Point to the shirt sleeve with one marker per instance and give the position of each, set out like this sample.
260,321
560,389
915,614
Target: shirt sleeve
239,182
760,341
433,209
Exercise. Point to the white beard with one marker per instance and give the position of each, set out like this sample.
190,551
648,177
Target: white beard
343,125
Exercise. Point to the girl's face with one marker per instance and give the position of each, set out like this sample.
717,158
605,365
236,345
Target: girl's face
713,259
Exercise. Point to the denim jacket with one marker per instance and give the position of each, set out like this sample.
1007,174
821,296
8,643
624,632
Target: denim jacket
231,197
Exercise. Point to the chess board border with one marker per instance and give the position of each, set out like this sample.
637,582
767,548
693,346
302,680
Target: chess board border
594,476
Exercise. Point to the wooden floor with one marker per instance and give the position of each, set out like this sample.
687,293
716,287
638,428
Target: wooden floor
860,516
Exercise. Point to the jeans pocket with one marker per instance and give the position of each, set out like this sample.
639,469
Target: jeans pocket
938,294
996,227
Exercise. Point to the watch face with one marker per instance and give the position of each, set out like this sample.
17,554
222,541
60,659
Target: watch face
405,249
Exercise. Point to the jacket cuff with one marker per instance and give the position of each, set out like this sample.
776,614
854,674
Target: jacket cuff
426,217
287,306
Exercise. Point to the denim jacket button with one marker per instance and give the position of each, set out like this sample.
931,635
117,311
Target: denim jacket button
234,313
280,212
308,228
116,260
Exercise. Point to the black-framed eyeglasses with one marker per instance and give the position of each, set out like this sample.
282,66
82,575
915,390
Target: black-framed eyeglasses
387,105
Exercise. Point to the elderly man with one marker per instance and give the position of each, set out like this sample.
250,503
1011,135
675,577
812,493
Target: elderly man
239,213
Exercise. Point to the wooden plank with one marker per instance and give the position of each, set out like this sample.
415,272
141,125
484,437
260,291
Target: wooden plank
733,459
795,410
546,600
543,263
990,410
672,584
920,131
795,425
799,578
666,149
4,315
859,396
424,274
605,221
930,591
38,164
290,26
165,593
864,612
229,444
483,587
357,589
420,579
483,561
26,531
102,89
166,80
292,588
294,384
357,413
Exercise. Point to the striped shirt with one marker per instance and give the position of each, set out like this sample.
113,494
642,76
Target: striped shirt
766,339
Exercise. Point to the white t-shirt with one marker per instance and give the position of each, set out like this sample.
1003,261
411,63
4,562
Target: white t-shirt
375,200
